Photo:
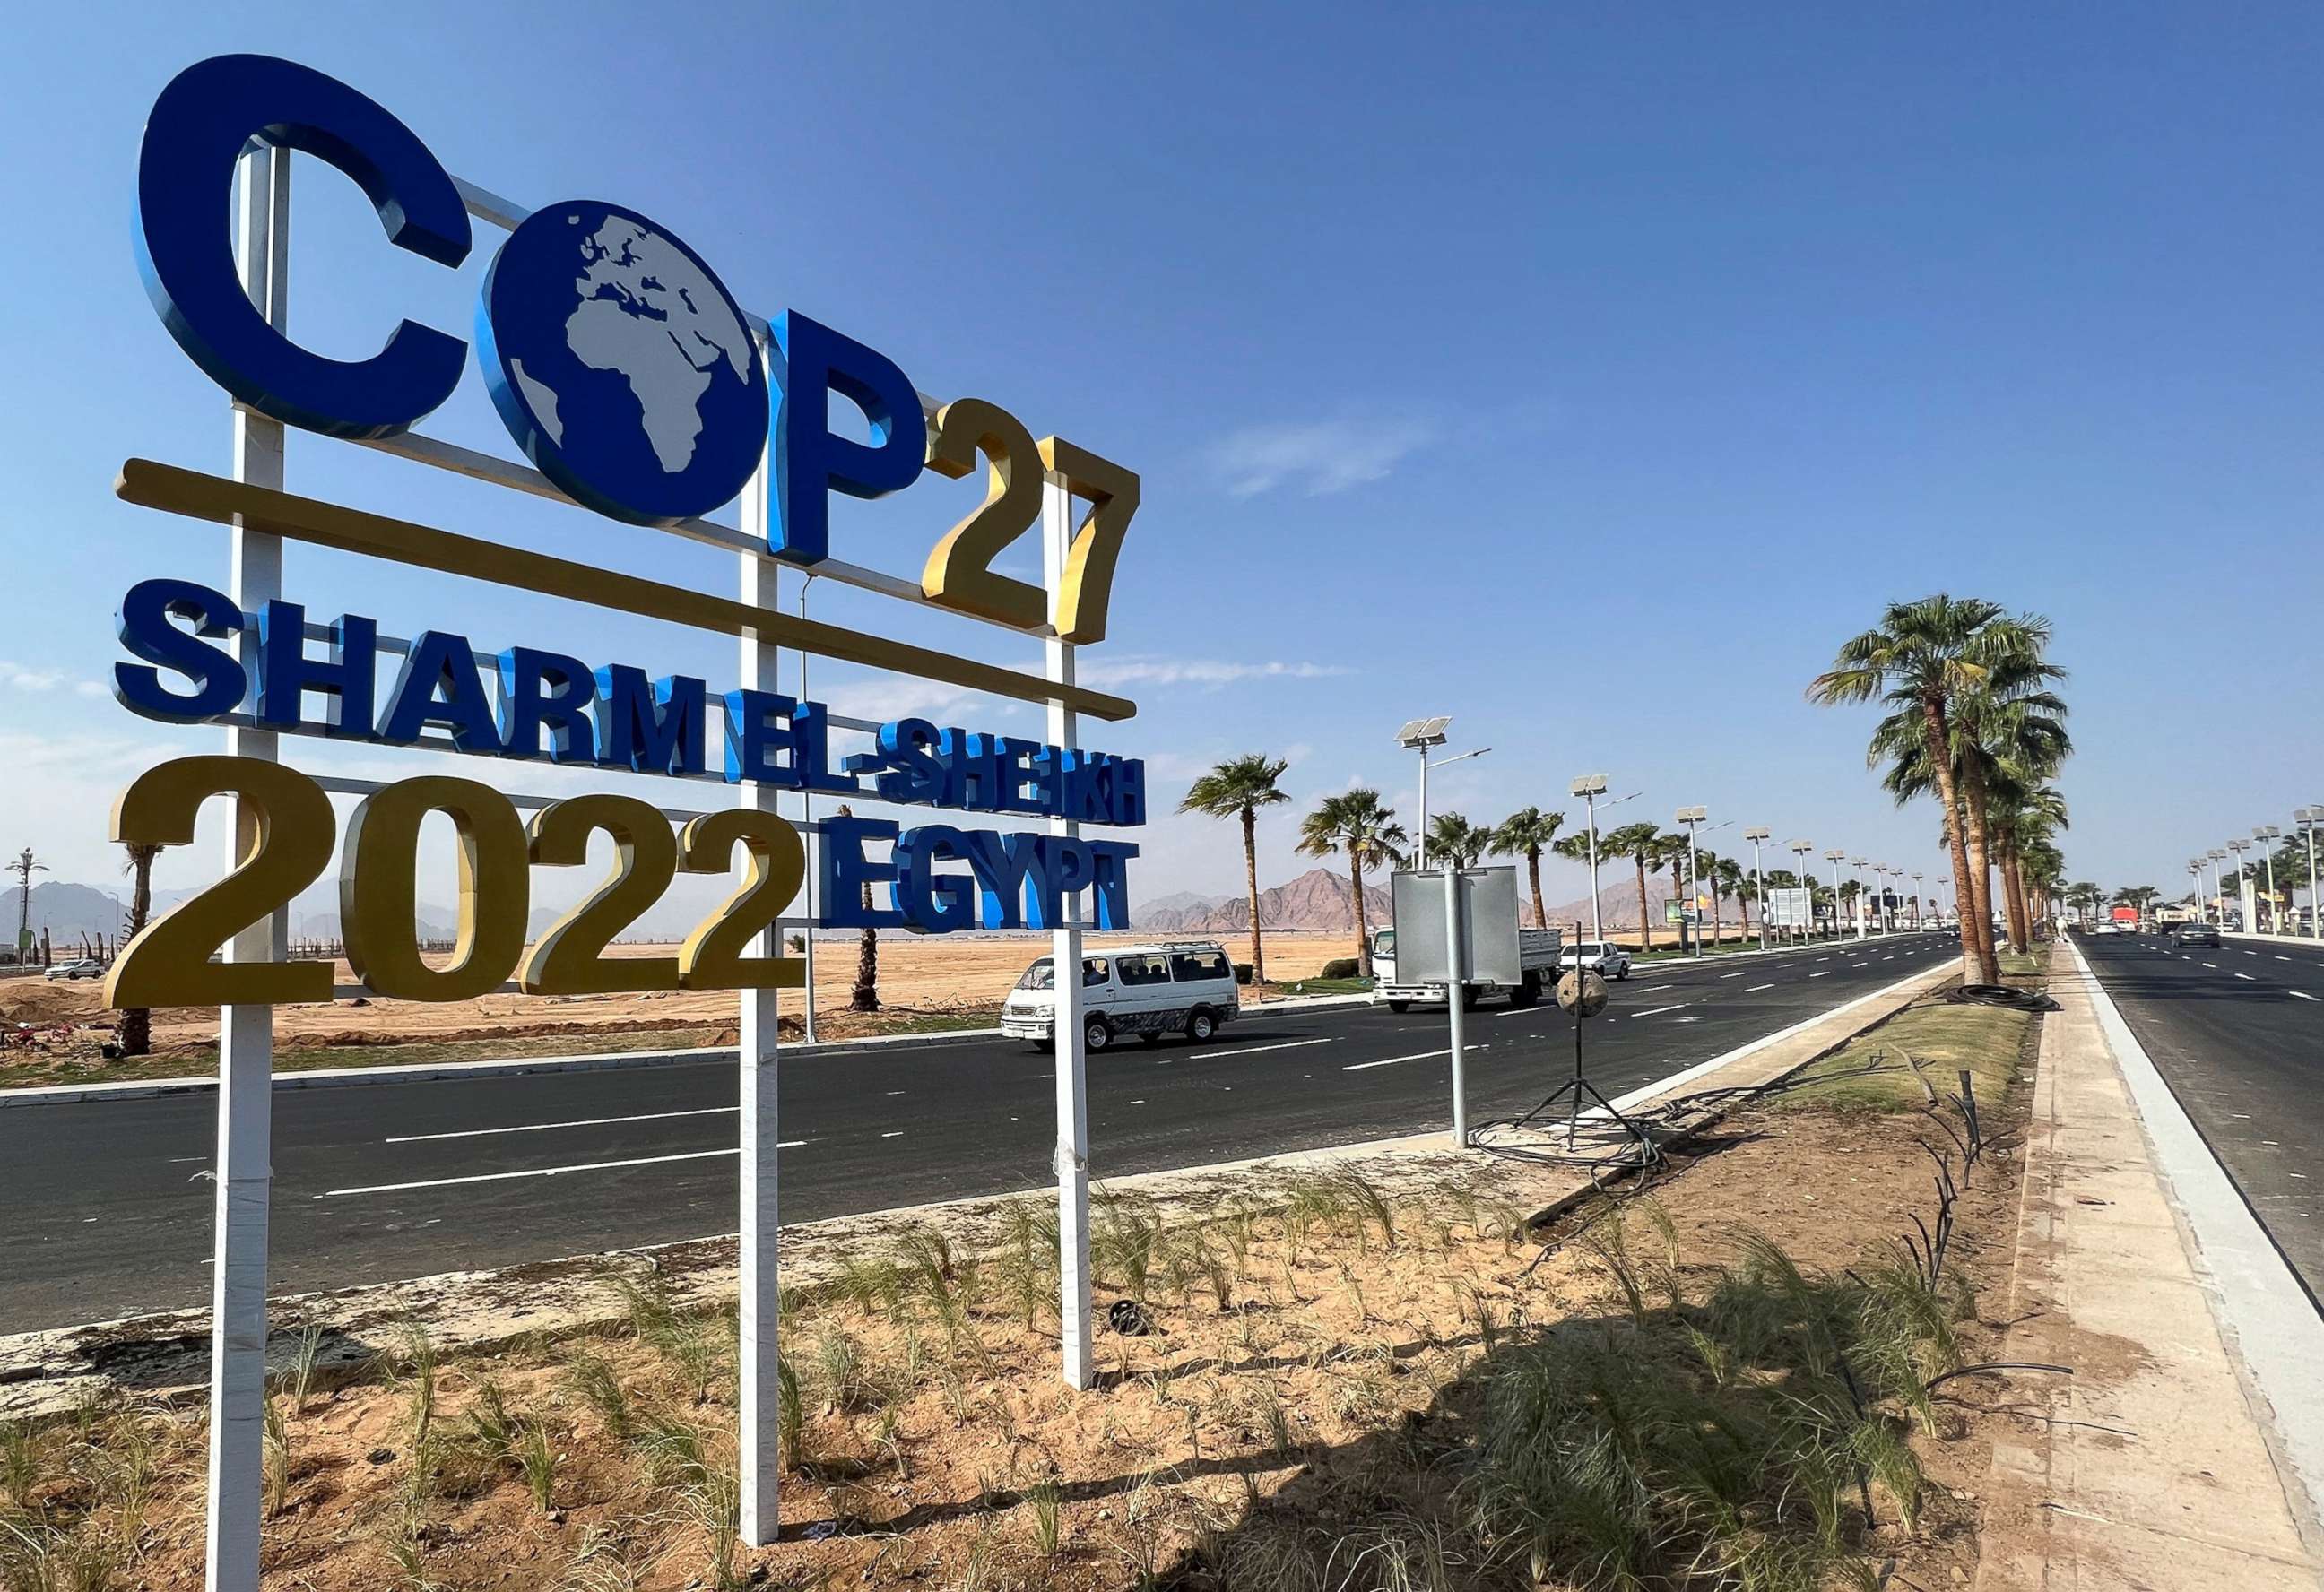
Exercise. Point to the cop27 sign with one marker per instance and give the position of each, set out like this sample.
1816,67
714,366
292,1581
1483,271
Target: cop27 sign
627,373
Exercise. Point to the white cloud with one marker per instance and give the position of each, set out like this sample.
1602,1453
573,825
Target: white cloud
1210,672
1319,457
25,676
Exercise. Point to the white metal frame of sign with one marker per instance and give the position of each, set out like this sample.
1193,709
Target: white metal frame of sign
247,1032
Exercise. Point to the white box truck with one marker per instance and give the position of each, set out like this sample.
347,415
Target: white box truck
1500,957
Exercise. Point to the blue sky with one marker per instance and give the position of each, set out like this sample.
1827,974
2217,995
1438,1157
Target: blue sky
1586,376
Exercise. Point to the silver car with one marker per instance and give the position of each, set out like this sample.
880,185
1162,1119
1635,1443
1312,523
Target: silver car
1602,957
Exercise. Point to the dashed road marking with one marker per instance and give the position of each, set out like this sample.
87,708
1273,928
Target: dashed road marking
1755,989
444,1182
1657,1011
416,1138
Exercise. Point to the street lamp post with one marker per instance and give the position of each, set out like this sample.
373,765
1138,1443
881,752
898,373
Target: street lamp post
1856,872
1690,817
2307,819
1590,788
1835,858
1758,881
808,882
2195,890
2239,847
1805,851
2215,856
2267,834
1917,878
1420,736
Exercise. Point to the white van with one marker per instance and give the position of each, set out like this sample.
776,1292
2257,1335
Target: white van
1149,991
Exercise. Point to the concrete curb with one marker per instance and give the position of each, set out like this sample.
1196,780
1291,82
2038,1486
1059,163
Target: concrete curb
67,1094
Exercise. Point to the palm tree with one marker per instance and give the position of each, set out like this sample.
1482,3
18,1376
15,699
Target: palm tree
2137,897
864,996
1526,833
1729,872
1454,839
1929,660
1354,822
137,1021
2084,897
1238,789
1642,844
1670,851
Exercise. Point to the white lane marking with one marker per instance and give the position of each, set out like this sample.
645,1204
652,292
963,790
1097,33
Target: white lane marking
1822,975
1656,989
418,1138
898,1134
1857,964
2250,954
2247,976
2212,965
1252,1050
1730,975
2283,959
1418,1055
446,1182
1657,1011
1755,989
1787,965
1823,959
2303,995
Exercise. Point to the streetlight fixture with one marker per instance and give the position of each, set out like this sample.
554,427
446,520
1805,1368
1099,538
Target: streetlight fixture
2195,890
1835,857
1805,851
1855,872
1590,788
2267,834
1917,878
2215,856
2239,847
1758,881
1420,735
1690,817
2307,820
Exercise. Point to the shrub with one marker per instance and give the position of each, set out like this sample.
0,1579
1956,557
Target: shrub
1339,967
1243,973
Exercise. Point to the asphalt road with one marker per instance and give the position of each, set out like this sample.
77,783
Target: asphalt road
2238,1035
108,1202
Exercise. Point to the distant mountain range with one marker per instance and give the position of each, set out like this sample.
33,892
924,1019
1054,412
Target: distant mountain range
1319,898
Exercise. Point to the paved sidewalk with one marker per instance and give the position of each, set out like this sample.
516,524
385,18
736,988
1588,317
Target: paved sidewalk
2161,1465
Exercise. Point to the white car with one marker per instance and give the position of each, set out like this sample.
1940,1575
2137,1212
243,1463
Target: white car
1149,990
87,967
1602,957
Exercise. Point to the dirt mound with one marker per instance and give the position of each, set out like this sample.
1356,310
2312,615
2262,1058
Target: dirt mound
37,1000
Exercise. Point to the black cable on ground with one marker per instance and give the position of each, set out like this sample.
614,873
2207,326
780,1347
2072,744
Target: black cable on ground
2002,995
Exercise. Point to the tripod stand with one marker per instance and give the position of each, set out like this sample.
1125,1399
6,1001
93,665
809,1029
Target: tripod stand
1588,999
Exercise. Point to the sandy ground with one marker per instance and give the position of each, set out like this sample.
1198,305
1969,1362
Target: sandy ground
1311,1383
957,975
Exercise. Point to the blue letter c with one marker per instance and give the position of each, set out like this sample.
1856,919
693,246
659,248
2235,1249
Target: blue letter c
197,130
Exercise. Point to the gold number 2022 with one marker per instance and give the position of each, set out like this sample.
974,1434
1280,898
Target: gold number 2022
287,828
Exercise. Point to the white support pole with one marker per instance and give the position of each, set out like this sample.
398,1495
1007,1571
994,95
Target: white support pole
1455,987
1597,924
1077,1352
759,1268
809,837
244,1173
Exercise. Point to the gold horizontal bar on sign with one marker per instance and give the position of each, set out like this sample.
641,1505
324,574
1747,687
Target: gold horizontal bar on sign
190,492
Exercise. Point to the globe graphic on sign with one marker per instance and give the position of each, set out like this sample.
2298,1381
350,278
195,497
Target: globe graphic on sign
620,364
